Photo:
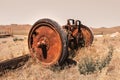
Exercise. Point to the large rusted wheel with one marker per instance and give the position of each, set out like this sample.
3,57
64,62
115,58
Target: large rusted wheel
47,42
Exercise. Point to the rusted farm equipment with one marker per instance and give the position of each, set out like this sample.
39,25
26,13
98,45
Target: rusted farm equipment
50,43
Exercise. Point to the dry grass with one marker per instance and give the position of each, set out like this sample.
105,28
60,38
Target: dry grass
100,61
11,47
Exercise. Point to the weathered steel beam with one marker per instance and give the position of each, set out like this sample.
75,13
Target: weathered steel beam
13,63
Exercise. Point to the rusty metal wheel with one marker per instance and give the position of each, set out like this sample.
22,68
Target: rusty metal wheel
88,35
47,42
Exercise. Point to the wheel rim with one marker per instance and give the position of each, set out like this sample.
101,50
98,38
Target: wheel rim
45,33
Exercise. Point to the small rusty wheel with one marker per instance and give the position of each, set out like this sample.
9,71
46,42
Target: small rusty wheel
47,42
87,35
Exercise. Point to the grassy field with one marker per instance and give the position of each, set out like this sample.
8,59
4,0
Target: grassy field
100,61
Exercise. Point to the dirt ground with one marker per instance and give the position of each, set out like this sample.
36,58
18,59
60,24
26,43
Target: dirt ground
100,61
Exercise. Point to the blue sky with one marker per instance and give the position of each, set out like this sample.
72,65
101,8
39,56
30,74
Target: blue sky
93,13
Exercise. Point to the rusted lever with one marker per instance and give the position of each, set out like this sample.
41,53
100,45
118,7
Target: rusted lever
78,23
70,21
43,46
80,39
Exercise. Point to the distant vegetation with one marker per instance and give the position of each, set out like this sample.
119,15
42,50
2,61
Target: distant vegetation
104,30
16,29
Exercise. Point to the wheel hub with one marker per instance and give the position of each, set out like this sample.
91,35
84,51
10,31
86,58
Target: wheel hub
43,41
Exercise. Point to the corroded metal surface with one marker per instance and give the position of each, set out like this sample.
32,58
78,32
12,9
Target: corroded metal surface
79,35
51,39
87,34
47,44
